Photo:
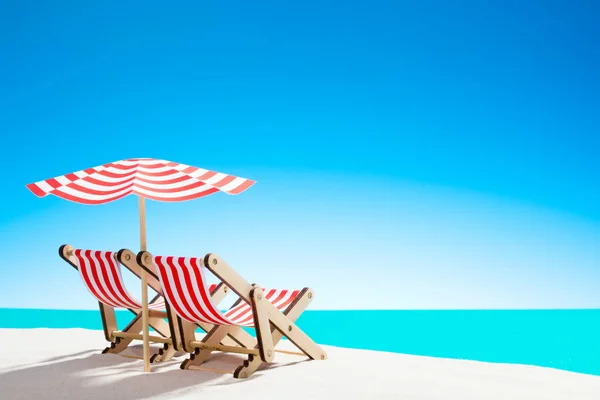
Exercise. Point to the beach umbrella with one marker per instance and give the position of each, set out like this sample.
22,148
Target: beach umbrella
148,178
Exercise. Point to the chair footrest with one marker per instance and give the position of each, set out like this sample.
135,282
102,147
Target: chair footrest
228,349
135,336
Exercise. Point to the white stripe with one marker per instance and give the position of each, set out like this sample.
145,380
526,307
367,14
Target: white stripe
81,174
215,179
87,267
63,180
197,173
110,179
165,168
100,281
236,309
118,171
129,299
194,272
176,299
43,185
175,185
88,196
233,184
280,304
235,315
151,161
160,179
125,163
158,304
242,317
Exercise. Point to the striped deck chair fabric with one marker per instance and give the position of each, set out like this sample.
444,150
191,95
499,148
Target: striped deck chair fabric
101,274
271,312
184,285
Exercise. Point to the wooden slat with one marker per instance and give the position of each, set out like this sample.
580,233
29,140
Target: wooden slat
157,314
134,336
227,349
261,323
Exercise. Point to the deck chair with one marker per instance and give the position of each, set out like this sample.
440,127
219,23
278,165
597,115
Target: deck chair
272,313
101,274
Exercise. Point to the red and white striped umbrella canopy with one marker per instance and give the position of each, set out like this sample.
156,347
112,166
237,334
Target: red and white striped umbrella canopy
150,178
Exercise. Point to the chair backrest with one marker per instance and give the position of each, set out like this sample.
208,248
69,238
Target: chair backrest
101,274
183,280
185,287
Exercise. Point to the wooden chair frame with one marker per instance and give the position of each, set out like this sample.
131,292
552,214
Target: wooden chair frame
120,340
182,329
271,325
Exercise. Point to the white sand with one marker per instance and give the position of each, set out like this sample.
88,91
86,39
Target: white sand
67,364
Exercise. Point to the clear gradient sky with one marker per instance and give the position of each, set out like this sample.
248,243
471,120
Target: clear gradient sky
409,154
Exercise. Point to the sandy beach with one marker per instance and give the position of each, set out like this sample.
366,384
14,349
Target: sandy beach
67,364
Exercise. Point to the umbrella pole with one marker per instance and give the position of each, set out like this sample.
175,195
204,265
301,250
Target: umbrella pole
146,345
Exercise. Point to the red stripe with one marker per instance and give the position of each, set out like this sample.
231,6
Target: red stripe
189,288
35,189
110,174
122,167
268,294
86,190
53,182
177,283
82,200
119,286
95,276
153,166
189,170
271,292
237,310
168,290
207,175
206,298
72,177
85,273
99,182
104,272
284,305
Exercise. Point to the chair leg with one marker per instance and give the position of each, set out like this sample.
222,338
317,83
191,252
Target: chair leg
135,326
253,363
262,325
284,322
291,314
164,354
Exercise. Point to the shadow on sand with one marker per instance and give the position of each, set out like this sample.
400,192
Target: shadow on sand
91,375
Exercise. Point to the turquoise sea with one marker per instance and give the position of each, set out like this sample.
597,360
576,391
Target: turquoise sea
563,339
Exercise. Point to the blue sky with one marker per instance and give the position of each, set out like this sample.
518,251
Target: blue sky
413,154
